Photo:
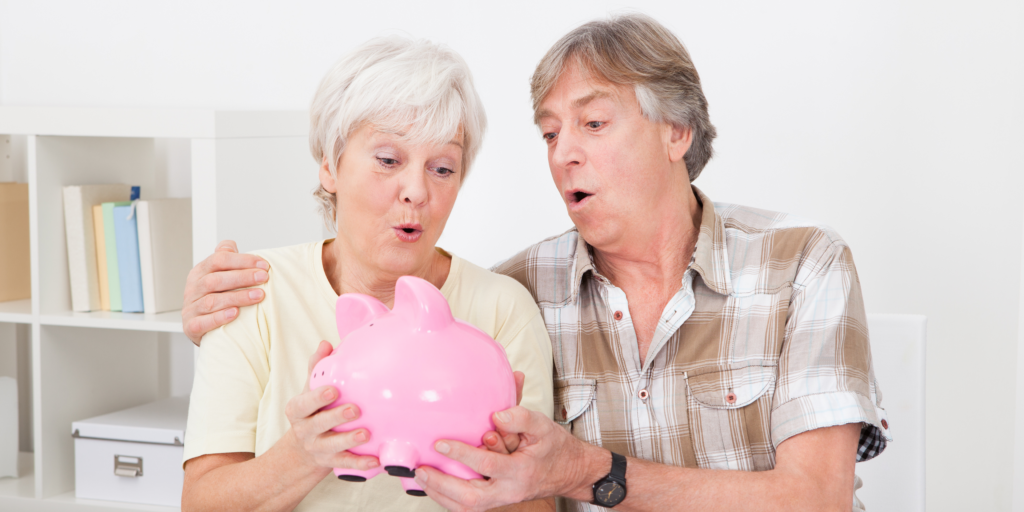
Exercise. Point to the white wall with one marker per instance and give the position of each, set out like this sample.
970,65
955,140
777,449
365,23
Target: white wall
894,122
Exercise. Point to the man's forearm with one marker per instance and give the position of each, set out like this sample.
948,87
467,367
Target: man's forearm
274,481
654,487
651,486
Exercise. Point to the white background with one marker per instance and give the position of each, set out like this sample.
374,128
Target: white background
898,123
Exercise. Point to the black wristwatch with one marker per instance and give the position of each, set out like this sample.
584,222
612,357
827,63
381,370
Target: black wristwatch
611,490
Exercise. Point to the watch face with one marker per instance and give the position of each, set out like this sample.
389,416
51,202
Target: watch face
609,494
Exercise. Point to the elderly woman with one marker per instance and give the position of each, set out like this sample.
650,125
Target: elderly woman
395,126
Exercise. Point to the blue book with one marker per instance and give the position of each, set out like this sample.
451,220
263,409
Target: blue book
128,265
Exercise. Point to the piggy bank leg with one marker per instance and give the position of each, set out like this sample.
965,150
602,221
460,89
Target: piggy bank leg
355,475
411,488
399,458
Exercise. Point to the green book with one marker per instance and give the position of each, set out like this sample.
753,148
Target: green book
110,242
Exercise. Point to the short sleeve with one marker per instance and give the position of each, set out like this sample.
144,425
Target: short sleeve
230,375
825,374
529,351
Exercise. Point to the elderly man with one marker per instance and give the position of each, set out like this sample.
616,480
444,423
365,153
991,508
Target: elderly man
688,337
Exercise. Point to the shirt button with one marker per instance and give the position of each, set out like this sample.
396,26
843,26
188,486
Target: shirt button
643,394
885,424
618,315
731,398
565,414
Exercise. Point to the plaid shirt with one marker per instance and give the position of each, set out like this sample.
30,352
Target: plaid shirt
765,339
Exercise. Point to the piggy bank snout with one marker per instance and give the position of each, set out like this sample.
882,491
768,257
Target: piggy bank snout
323,375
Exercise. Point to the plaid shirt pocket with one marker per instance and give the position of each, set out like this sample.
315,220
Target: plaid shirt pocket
734,401
576,408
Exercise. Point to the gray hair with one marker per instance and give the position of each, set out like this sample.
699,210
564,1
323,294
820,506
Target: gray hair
635,50
394,82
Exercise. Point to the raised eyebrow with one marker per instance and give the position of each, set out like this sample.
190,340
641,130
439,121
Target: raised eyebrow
387,131
594,95
576,104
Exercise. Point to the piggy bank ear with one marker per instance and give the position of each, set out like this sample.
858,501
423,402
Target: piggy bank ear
421,303
355,310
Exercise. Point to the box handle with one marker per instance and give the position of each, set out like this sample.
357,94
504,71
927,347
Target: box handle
127,465
76,435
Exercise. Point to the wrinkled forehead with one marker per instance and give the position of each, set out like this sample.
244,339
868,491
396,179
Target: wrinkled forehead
578,85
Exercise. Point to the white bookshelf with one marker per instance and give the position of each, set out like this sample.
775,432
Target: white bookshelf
249,175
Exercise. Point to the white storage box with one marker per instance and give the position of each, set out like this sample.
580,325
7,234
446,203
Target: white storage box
132,455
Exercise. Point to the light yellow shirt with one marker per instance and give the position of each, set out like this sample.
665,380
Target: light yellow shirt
249,369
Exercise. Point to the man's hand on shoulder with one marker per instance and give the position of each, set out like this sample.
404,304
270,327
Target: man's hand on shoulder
212,291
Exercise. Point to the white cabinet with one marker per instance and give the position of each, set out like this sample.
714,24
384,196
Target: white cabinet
250,177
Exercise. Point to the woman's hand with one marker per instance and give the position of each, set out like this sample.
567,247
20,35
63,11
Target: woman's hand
311,434
212,294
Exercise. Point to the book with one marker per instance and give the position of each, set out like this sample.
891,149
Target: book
165,251
81,240
101,257
110,239
15,270
126,228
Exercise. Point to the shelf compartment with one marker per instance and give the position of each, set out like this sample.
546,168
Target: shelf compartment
19,494
16,311
85,373
22,487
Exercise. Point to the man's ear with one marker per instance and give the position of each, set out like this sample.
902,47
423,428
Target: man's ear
330,183
679,140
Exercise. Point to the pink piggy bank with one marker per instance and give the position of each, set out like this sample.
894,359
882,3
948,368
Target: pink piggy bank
417,375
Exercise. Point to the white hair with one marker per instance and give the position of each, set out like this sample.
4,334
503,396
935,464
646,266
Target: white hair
396,83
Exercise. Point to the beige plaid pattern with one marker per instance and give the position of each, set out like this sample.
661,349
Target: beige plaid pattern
765,339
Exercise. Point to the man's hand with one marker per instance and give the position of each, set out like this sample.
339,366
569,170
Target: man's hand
212,294
814,472
504,442
542,465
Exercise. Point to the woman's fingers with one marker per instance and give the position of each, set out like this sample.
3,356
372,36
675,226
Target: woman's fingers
520,378
337,442
323,350
504,444
309,402
352,461
326,420
227,245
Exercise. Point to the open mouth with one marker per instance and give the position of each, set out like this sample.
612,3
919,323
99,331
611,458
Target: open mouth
408,232
577,198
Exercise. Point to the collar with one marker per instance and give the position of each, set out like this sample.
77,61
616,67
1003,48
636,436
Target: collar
710,257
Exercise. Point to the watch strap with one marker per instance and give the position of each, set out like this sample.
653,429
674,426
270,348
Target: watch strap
617,476
618,472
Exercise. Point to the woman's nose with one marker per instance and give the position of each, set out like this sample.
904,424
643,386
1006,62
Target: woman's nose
414,187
